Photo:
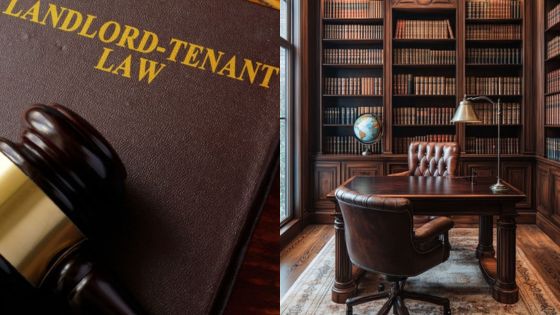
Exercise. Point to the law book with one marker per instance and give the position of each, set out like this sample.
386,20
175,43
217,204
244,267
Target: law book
423,29
411,56
353,9
400,144
480,145
552,109
494,9
422,115
493,32
553,16
553,148
187,94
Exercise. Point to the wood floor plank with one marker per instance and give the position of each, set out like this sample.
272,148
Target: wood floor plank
541,251
543,254
297,255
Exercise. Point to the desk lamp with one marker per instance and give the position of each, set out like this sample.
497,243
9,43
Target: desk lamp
465,113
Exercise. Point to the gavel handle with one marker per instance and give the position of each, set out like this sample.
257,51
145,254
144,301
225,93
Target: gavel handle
88,288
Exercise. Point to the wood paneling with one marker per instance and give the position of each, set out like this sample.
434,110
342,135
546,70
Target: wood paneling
548,197
483,169
327,178
393,168
543,190
361,168
519,175
555,182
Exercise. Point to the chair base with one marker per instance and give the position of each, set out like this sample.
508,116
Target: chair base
396,298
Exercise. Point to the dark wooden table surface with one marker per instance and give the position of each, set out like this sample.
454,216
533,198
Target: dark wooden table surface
257,287
444,196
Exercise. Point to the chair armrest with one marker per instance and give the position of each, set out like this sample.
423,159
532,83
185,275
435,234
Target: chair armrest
433,228
405,173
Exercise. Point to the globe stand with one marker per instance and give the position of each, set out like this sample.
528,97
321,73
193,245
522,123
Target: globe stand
367,130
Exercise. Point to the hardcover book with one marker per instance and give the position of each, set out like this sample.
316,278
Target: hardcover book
187,93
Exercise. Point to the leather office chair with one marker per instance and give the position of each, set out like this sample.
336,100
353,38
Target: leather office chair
380,238
431,159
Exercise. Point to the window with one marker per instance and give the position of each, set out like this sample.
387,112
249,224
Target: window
286,103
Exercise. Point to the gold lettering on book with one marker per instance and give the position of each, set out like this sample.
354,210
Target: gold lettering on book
144,42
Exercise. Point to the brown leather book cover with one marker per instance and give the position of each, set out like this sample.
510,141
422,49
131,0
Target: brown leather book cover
194,118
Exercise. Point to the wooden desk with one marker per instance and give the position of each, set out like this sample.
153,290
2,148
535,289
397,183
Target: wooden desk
443,196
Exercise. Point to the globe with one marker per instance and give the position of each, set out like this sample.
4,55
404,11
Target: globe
367,129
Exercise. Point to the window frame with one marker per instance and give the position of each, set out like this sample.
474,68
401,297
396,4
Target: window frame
287,44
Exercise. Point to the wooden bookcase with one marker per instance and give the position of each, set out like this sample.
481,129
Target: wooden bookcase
547,169
329,170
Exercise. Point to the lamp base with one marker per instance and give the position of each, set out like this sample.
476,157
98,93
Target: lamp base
499,187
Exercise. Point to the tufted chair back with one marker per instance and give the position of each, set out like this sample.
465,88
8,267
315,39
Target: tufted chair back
433,158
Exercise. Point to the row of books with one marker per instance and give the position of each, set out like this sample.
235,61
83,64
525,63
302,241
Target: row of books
553,16
353,9
423,56
493,9
362,56
511,113
553,148
509,56
408,84
400,144
423,115
353,31
493,31
494,85
552,109
478,145
354,86
553,47
423,29
347,115
349,145
553,81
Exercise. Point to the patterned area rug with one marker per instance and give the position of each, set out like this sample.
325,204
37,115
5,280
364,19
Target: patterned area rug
459,279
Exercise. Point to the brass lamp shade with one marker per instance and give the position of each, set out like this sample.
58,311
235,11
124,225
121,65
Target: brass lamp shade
465,113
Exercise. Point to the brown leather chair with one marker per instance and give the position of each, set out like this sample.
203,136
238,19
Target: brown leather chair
431,159
380,238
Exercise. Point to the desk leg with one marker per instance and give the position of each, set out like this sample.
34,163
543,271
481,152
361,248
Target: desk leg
485,231
505,289
344,286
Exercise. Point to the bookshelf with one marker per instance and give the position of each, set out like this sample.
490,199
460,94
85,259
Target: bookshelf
434,52
420,40
547,97
352,65
494,67
552,80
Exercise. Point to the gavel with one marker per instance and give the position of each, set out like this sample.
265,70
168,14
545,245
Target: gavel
57,188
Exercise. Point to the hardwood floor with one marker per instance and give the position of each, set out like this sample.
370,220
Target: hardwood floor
542,252
297,255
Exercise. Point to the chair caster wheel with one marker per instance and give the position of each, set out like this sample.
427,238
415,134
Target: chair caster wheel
381,287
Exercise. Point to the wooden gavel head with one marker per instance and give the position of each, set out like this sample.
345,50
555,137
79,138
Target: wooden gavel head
57,188
71,162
